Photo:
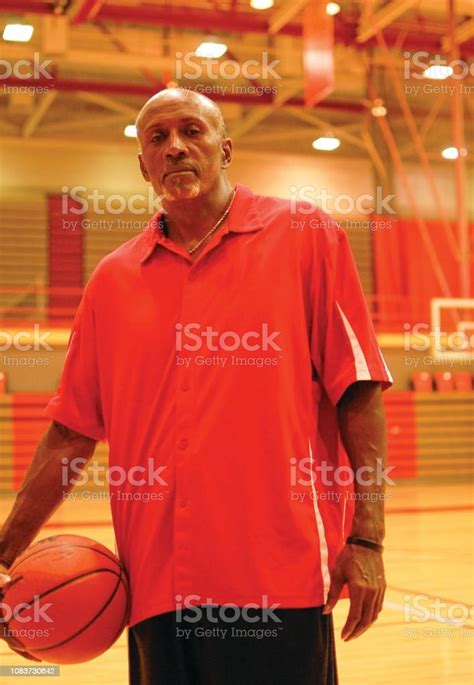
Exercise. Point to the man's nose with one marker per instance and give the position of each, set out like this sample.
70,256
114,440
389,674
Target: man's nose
175,147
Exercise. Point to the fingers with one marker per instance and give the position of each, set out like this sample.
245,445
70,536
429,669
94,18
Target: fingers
337,583
362,617
4,578
381,598
26,655
363,571
16,646
355,611
366,604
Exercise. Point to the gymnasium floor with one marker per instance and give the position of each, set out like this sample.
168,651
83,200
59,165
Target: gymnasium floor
429,552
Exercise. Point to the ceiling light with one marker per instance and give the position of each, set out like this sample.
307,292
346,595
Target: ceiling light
211,50
453,152
130,131
438,72
333,8
326,143
261,4
20,33
378,108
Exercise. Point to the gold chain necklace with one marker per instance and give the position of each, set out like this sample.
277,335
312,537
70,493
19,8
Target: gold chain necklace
215,227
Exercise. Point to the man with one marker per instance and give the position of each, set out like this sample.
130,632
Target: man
225,348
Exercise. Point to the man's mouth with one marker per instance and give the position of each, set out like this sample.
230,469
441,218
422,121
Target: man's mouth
185,170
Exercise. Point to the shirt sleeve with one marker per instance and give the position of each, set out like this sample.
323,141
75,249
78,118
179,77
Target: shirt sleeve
77,401
344,347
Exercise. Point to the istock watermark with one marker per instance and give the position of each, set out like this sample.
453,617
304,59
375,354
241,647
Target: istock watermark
422,608
197,608
428,338
25,341
79,200
232,89
193,337
305,199
415,632
190,66
79,471
415,64
445,347
306,472
205,618
29,71
26,69
141,483
438,89
34,611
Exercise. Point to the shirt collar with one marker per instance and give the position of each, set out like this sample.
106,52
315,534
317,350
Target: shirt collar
244,217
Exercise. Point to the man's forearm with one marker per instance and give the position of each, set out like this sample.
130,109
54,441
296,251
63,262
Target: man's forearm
43,488
361,421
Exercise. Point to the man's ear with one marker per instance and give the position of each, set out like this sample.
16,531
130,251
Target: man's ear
226,153
145,173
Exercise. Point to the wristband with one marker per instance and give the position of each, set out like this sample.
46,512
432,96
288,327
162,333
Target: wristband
363,542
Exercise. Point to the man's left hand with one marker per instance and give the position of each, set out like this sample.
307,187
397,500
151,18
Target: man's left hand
363,571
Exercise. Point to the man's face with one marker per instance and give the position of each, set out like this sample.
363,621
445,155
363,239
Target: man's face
183,152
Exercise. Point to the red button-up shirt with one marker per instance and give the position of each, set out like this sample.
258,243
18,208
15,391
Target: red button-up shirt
215,384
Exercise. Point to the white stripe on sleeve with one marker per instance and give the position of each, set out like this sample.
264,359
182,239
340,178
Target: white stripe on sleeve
360,362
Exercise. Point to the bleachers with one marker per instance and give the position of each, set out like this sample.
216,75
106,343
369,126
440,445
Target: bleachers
361,246
445,436
106,232
23,252
442,381
22,424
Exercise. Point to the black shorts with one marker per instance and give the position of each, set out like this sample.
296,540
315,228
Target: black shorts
218,650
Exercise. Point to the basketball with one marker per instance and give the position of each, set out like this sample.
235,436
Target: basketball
68,600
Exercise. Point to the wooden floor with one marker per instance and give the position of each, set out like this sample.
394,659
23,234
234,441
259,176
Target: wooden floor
429,551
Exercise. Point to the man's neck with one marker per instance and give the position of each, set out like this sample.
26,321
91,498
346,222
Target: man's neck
190,220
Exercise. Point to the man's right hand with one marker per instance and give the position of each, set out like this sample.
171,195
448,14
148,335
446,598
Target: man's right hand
11,641
4,577
40,494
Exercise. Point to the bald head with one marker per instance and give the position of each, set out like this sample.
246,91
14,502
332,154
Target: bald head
171,97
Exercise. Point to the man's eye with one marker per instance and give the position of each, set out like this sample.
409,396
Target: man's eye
192,131
159,135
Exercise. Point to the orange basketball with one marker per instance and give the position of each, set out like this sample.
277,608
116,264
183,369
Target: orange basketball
68,600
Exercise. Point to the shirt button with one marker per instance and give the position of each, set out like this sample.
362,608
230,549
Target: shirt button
183,444
182,502
192,276
185,387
